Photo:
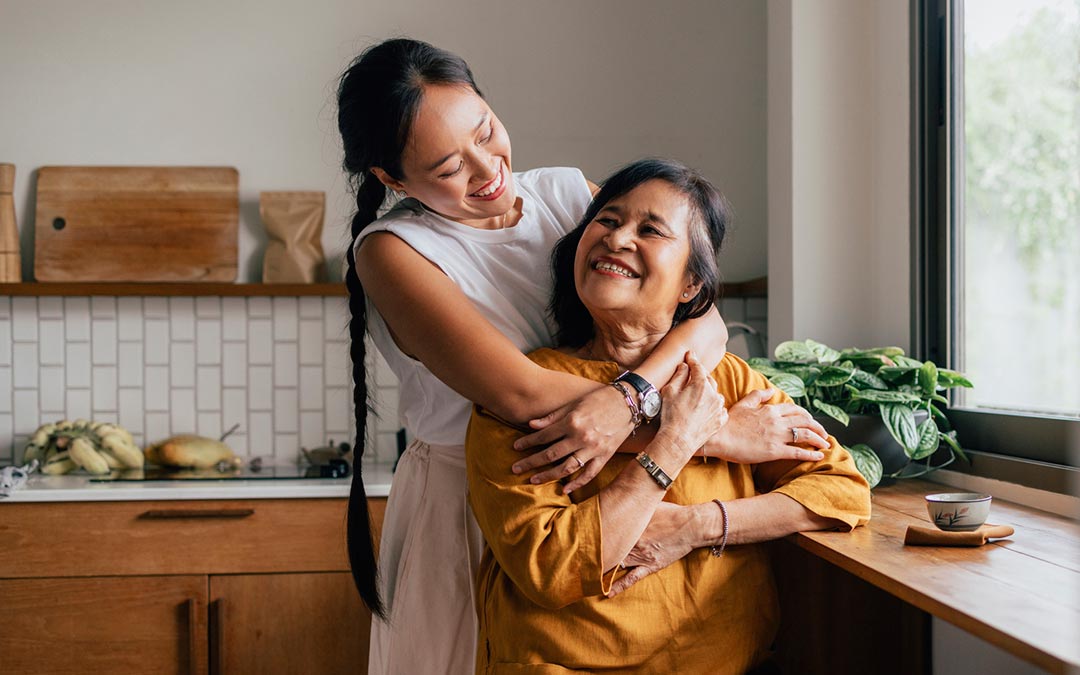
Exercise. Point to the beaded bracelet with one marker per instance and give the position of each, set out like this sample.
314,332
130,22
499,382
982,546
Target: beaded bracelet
718,551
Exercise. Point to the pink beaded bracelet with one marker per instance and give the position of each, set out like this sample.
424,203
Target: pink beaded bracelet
718,551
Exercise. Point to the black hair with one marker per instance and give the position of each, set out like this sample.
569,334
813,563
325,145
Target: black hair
378,98
710,215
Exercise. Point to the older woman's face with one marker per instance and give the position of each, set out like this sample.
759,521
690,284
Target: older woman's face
633,256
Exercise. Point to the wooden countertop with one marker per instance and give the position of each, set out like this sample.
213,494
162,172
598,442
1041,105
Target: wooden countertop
1021,594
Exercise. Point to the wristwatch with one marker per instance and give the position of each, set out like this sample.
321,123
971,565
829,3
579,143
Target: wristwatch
648,397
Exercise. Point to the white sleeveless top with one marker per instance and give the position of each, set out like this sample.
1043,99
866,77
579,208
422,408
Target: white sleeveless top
506,273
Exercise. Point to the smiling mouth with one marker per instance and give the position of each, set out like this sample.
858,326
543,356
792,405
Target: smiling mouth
614,268
493,188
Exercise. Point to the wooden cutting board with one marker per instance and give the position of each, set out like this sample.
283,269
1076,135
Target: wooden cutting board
136,224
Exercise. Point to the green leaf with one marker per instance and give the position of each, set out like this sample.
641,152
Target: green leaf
950,439
897,374
759,361
868,380
940,416
906,362
951,378
796,352
885,396
900,421
928,378
832,411
890,352
940,399
789,384
833,376
928,440
867,462
824,353
766,369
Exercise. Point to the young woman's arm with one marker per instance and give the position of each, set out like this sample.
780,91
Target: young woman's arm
433,321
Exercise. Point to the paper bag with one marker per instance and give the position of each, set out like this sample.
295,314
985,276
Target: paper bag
294,221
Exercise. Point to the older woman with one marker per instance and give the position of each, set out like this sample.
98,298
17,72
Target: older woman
652,567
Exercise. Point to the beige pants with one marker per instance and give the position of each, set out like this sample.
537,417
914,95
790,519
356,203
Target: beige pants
428,558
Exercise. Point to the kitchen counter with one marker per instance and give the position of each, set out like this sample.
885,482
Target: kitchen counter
79,488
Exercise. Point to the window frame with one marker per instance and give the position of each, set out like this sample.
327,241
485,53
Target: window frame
1041,451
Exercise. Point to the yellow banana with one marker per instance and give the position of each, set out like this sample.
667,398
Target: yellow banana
124,451
112,460
58,467
83,453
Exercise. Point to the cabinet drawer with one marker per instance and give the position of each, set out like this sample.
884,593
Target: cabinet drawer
174,537
106,625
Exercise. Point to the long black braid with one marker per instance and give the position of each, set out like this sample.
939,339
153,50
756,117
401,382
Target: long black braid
378,98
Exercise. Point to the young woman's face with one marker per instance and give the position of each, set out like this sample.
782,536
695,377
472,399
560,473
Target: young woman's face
457,159
632,259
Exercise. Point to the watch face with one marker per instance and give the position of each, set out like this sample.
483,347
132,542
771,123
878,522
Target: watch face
650,404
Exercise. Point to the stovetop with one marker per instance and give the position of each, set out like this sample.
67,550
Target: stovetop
289,472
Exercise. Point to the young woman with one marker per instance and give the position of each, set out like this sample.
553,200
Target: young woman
457,277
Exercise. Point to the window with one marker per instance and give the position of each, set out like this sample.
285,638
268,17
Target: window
996,104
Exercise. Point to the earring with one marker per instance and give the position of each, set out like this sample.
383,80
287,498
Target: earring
685,294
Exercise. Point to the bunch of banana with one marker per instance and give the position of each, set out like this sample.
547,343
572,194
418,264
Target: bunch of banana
98,447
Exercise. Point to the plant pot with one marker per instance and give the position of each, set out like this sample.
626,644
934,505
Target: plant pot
869,429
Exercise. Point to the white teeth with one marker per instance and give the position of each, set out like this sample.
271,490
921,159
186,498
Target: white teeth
490,190
609,267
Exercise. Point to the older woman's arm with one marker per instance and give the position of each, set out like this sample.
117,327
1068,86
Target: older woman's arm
829,493
556,551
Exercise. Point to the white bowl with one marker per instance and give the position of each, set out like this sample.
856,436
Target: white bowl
958,511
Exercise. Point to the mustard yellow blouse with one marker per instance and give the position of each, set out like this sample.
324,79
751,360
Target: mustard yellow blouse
540,589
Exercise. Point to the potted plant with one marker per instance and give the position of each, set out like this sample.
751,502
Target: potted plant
883,405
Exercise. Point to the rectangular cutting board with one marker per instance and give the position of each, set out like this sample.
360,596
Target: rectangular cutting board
136,224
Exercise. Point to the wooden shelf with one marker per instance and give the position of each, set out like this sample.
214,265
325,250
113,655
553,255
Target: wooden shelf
172,289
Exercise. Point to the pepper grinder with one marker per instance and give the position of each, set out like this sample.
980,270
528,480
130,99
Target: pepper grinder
10,270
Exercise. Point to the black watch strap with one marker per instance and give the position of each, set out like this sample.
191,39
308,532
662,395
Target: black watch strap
636,381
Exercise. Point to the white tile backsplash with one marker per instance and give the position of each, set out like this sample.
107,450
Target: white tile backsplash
182,411
260,342
208,341
311,342
104,389
311,388
129,319
5,342
286,411
182,364
52,388
24,318
102,307
77,364
78,405
5,396
182,318
279,367
50,307
157,342
285,315
27,412
25,367
77,319
103,341
51,342
208,389
286,365
260,388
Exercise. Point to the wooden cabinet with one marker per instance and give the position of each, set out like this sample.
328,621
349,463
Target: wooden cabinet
103,625
229,586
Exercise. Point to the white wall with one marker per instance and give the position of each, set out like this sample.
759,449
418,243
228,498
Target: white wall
251,84
838,173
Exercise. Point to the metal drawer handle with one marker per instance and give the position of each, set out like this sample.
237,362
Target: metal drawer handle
163,514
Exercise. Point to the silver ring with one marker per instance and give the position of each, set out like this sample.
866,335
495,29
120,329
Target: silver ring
794,434
580,464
